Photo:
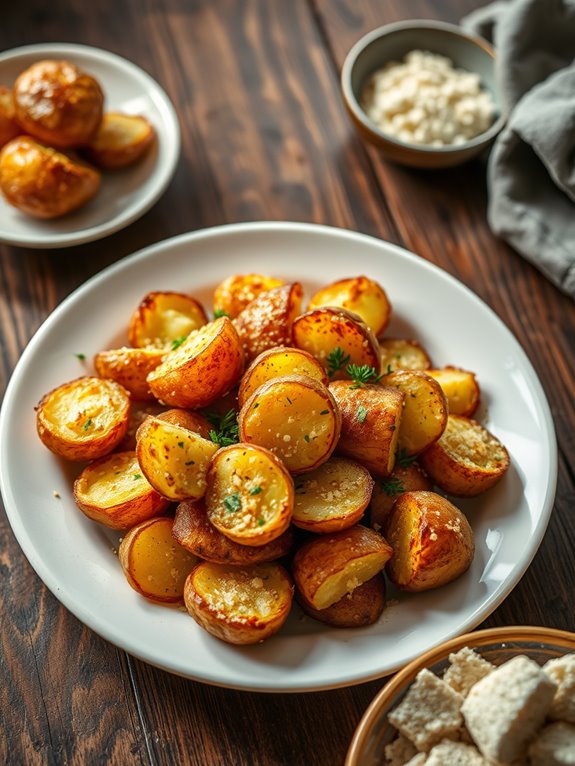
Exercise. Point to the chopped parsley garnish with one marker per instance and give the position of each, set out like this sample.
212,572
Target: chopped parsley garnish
233,503
256,405
177,342
392,487
389,369
226,429
189,462
87,424
403,459
361,414
289,400
137,476
81,357
324,412
255,490
336,359
220,313
261,522
306,437
180,444
362,374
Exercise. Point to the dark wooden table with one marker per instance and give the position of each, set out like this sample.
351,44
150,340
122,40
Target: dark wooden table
265,136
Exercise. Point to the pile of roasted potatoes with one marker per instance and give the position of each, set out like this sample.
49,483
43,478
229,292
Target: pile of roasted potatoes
55,138
270,452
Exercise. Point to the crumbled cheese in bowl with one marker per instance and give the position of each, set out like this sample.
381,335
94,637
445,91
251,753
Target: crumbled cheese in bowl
425,100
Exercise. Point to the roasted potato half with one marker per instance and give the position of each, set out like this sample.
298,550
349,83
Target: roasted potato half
120,141
363,606
362,295
130,367
83,419
276,363
326,568
250,495
266,322
153,562
424,411
163,319
239,605
9,128
467,459
113,491
207,364
329,330
332,497
236,292
460,388
173,459
431,539
43,182
194,532
296,418
403,478
193,421
370,423
402,354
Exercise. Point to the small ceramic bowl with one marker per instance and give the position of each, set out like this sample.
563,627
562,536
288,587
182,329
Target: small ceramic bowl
391,43
494,644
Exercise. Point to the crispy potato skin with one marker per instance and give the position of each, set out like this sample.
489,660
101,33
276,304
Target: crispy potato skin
363,606
130,368
402,354
120,141
193,421
9,128
58,103
244,621
432,541
461,389
194,532
43,182
235,293
165,316
362,295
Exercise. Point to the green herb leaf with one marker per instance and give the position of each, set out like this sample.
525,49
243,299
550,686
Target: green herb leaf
361,414
362,374
403,459
389,369
306,437
180,444
255,490
392,487
189,462
87,424
177,342
324,412
336,359
233,503
81,357
220,313
261,522
137,476
226,429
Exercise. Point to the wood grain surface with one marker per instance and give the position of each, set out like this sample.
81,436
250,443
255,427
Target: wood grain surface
265,137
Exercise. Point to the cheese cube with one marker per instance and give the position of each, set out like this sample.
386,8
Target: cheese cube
554,746
454,754
466,668
399,751
562,671
417,760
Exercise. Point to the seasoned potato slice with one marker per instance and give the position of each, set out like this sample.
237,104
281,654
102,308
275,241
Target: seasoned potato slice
129,367
332,497
83,419
250,494
371,417
326,568
425,409
267,321
173,459
9,128
323,331
431,539
120,141
296,418
153,562
113,491
163,319
206,365
362,295
193,421
194,532
233,294
460,388
403,478
363,606
402,354
276,363
239,605
467,460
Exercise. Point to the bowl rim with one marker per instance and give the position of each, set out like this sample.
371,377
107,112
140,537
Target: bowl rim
398,26
473,639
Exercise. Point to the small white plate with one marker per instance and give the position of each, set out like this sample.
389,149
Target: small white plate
74,556
124,195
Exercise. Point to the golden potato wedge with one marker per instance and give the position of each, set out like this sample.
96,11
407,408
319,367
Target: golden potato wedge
250,494
403,478
402,354
424,411
236,292
173,459
276,363
363,606
130,368
332,497
83,419
336,337
194,532
193,421
120,141
362,295
139,411
113,491
239,605
207,364
153,562
467,459
370,424
326,568
431,539
296,418
43,182
9,128
460,388
163,319
58,103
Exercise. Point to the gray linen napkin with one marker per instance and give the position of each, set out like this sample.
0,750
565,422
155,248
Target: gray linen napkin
531,171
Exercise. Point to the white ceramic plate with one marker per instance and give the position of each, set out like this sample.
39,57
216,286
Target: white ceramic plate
74,555
124,195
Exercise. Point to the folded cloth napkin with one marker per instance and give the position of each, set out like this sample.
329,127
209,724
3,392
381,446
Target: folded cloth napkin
531,171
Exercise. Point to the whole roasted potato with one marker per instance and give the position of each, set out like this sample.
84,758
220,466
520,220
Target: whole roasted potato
58,103
363,606
43,182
